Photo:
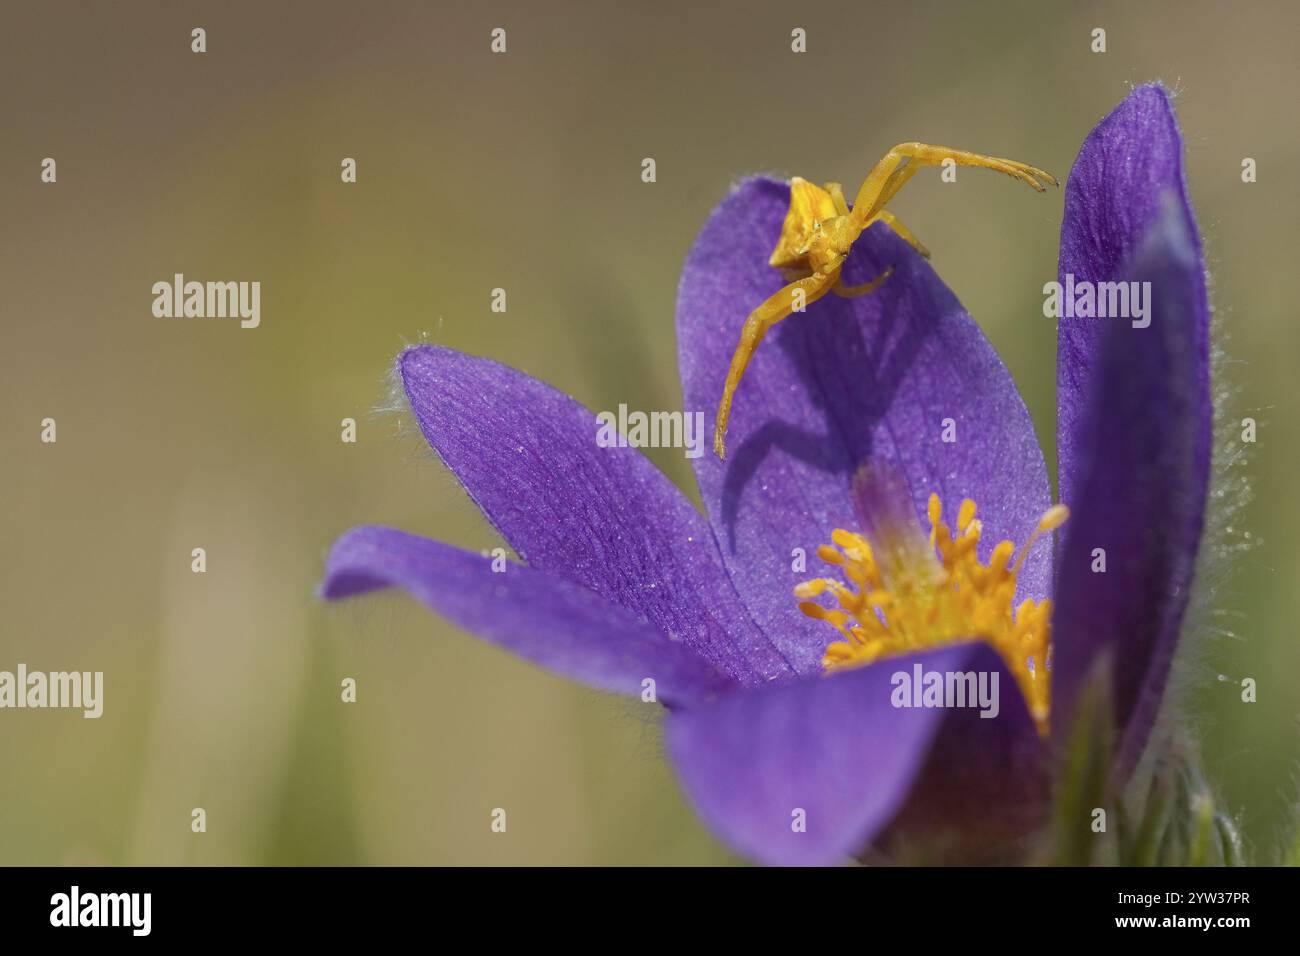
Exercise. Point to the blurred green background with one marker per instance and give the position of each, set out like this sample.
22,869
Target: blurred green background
476,171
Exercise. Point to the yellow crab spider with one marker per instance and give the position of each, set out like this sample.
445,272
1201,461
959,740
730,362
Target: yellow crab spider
819,231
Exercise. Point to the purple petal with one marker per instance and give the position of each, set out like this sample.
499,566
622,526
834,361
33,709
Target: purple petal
850,379
604,518
1132,159
1141,473
557,625
832,746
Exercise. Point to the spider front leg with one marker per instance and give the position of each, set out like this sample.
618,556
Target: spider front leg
772,311
901,163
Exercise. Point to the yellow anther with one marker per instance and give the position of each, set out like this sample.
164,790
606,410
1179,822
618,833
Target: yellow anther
829,554
965,515
1001,555
847,539
811,589
1053,518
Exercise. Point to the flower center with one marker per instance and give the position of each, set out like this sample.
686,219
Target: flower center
904,595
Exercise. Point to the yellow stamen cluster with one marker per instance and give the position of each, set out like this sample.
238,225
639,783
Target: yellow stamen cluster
905,597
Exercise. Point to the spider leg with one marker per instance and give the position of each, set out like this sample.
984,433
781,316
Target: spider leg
903,232
837,198
772,311
852,291
903,171
900,164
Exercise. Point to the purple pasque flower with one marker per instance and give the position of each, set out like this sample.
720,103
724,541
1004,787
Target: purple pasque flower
788,761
